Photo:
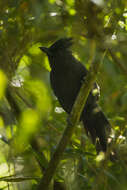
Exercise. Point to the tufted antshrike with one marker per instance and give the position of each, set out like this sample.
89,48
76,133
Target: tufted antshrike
66,78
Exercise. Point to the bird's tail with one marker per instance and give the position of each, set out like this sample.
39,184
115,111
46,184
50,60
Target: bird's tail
97,126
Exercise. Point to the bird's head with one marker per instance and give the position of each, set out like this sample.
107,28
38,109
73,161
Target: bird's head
59,45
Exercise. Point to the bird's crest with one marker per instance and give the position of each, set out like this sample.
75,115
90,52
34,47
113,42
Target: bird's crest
63,43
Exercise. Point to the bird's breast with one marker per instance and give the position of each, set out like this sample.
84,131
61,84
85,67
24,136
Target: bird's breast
65,87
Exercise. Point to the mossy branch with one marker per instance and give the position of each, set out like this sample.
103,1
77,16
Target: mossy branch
73,120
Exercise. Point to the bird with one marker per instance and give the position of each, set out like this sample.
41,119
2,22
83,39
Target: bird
66,77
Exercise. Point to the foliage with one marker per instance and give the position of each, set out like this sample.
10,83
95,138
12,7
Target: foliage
31,119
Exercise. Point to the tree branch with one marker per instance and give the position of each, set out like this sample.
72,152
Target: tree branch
118,62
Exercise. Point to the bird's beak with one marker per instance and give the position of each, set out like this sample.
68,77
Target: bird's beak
45,50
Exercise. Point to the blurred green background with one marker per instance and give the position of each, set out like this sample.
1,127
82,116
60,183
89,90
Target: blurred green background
31,119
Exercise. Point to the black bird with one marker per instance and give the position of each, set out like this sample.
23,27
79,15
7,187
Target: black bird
66,78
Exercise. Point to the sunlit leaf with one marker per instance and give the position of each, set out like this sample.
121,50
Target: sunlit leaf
3,83
29,125
34,50
1,122
100,157
52,1
40,93
72,11
70,2
46,64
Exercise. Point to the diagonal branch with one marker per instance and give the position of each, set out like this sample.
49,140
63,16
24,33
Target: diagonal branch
118,62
